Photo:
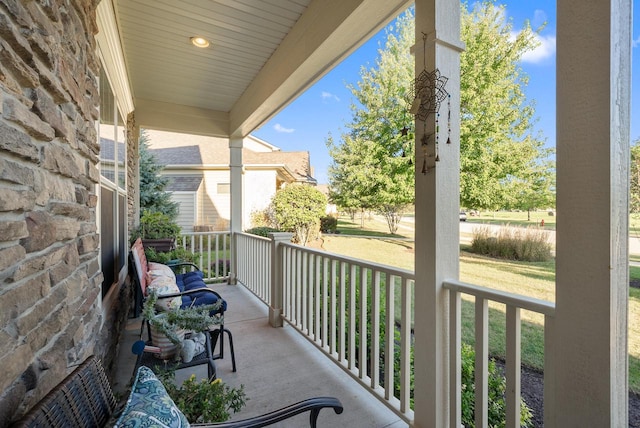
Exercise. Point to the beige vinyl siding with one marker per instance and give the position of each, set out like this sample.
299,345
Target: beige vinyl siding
259,188
215,208
187,202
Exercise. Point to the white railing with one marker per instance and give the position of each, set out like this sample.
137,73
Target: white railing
514,304
254,264
343,305
213,250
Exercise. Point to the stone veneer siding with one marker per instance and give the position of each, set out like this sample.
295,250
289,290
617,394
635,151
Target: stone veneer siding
50,279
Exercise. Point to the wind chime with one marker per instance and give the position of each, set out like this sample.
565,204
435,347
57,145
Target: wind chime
426,94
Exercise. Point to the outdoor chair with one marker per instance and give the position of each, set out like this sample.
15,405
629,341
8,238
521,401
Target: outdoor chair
188,287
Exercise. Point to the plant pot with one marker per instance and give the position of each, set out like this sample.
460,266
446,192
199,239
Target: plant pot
168,349
161,245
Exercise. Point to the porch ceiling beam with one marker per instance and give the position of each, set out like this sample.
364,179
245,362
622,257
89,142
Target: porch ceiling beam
183,119
327,32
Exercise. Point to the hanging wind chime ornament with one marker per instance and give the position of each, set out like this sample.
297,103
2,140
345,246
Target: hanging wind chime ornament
426,94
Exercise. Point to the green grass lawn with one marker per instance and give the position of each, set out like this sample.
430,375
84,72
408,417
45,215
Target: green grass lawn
530,279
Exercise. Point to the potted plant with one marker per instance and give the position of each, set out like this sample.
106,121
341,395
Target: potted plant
157,231
168,328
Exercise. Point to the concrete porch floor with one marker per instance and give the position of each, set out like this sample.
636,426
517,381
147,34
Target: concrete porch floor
277,367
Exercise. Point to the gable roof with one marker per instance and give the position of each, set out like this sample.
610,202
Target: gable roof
182,150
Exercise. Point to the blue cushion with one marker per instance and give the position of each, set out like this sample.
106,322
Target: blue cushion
149,405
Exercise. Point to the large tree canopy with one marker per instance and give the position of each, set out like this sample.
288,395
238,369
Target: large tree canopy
498,153
373,164
372,167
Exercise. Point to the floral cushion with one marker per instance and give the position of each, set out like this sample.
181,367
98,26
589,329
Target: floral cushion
158,269
149,405
164,285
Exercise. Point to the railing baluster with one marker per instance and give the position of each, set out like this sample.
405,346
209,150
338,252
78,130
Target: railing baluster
390,337
405,347
326,302
375,329
482,362
318,299
334,308
455,381
343,312
362,330
352,316
513,366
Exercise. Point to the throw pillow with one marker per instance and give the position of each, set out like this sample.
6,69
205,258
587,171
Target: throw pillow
149,405
163,285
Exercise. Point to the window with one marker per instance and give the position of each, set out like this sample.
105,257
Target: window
113,221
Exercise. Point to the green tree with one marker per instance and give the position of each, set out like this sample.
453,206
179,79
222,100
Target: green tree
298,209
497,148
373,165
153,197
534,189
634,197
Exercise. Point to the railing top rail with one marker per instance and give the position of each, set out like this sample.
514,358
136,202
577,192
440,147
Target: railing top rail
365,264
528,303
210,232
252,236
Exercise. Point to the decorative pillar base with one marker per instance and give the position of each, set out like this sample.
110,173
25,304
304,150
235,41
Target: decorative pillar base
275,317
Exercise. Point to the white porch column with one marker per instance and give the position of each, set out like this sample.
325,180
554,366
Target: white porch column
593,105
437,220
237,195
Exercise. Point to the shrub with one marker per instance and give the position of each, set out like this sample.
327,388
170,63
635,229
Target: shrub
261,231
298,209
204,401
497,386
222,267
512,243
328,224
155,225
165,257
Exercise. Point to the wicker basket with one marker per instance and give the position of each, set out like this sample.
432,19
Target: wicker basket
168,349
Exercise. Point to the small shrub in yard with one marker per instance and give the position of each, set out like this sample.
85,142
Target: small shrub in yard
512,243
222,267
328,224
261,231
497,387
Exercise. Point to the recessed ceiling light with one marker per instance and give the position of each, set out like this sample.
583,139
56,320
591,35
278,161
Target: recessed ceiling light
200,42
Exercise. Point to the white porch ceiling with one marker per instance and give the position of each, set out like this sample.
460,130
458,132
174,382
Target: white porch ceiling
263,54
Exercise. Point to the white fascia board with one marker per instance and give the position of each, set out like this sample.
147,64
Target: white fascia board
108,40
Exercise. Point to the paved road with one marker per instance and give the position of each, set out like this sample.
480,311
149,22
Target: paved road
466,233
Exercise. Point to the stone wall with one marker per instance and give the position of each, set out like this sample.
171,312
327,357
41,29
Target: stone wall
50,279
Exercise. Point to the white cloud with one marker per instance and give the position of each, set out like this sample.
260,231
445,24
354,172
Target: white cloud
280,128
636,42
546,49
329,96
539,18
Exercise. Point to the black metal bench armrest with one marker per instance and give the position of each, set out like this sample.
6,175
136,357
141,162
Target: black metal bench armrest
313,405
187,292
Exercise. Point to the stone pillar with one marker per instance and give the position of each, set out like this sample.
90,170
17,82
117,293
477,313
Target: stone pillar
276,280
593,123
237,195
437,207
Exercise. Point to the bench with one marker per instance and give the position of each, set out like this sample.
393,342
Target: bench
84,399
188,288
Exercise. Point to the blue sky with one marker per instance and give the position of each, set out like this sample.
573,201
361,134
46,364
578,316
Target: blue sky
324,108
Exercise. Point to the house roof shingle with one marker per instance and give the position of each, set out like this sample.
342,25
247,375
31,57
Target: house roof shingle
190,150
